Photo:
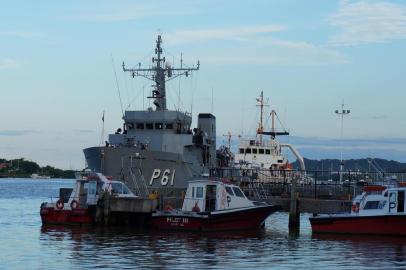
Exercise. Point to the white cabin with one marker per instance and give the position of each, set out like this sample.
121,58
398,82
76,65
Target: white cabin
380,200
211,195
88,189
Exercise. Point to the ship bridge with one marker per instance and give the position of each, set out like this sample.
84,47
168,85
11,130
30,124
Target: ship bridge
167,131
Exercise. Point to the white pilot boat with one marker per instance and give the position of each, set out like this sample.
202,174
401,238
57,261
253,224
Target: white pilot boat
213,205
77,205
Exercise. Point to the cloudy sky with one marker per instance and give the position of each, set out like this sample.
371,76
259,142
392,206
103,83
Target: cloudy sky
57,63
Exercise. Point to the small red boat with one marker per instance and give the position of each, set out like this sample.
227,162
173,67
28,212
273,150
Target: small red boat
379,210
77,206
214,206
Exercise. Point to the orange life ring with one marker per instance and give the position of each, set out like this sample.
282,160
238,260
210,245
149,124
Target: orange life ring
59,204
168,208
74,204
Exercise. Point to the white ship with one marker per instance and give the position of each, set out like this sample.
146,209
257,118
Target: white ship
264,154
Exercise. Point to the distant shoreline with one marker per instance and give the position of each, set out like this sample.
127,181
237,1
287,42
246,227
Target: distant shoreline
25,178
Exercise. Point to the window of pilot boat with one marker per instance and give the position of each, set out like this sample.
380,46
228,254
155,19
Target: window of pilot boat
193,192
248,151
139,125
255,151
159,126
238,192
126,190
267,151
241,150
199,192
149,126
116,188
169,126
371,205
229,190
261,151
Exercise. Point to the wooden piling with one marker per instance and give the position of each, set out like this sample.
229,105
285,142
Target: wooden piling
294,214
106,212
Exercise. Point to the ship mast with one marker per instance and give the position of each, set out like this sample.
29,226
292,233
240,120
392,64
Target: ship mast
260,129
160,73
261,105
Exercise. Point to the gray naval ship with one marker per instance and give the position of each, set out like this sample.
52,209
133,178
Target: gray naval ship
157,148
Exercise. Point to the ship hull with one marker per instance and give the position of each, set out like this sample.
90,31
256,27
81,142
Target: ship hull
52,216
370,225
159,169
252,218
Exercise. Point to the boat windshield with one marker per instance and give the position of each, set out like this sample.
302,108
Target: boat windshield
238,192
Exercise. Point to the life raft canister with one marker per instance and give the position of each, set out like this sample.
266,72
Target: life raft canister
74,204
59,204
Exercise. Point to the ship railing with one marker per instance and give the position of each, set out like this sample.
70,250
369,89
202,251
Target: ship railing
317,184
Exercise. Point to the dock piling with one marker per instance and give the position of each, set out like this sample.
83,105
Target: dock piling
294,214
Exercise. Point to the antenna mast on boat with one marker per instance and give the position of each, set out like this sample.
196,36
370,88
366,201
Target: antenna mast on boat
160,74
273,131
261,105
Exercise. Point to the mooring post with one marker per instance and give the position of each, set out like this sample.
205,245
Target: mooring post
294,214
106,212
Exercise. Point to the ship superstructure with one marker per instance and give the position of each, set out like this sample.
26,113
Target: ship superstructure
266,154
157,147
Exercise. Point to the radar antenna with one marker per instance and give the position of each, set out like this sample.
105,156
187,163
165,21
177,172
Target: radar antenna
160,73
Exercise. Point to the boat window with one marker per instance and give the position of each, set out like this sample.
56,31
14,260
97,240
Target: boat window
267,151
140,125
199,192
254,150
241,150
92,188
386,194
238,192
149,125
382,204
116,188
159,126
229,190
248,151
126,190
261,151
371,205
169,126
193,192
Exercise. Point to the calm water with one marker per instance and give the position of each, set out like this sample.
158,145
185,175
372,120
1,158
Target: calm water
24,244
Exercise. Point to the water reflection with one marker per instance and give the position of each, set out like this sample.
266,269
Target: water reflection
125,247
129,247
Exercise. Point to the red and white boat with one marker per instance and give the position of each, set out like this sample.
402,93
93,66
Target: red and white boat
379,210
214,206
77,206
